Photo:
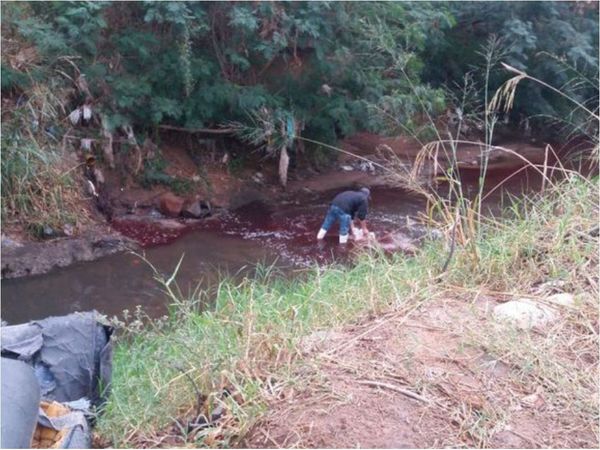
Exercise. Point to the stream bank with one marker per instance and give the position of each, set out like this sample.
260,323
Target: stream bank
145,216
252,220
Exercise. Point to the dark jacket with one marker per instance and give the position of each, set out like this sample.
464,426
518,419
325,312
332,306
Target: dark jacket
355,203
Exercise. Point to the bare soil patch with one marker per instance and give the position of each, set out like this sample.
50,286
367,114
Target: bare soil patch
418,380
468,154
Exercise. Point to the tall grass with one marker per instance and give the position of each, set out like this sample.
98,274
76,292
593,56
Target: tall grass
245,342
39,185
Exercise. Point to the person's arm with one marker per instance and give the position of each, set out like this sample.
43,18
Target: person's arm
363,227
361,215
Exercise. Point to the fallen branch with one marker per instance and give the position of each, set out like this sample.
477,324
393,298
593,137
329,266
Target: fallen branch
198,130
400,390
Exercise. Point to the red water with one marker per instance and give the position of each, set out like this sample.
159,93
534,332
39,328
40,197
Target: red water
288,229
283,234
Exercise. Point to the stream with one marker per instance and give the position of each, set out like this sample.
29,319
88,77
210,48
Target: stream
258,233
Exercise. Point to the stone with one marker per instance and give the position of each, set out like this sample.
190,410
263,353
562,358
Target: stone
524,313
170,204
195,210
48,231
68,229
347,168
8,242
563,299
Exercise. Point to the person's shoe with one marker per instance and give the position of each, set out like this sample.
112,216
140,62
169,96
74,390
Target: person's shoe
343,239
358,234
321,233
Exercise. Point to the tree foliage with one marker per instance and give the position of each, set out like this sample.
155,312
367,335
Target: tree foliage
553,41
200,64
337,67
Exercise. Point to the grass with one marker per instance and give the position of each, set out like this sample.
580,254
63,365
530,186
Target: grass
41,185
249,334
245,348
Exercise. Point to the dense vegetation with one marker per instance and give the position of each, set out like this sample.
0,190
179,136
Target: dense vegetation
115,72
197,64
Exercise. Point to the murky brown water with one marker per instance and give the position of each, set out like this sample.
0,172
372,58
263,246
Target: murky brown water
257,233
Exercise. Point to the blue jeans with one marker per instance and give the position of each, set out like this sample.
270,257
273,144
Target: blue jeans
334,213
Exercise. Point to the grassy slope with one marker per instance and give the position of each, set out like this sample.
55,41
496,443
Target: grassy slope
250,338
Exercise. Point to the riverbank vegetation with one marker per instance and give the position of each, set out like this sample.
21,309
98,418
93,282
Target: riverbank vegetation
105,79
237,356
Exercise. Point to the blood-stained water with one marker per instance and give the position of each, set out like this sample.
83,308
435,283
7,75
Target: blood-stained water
232,244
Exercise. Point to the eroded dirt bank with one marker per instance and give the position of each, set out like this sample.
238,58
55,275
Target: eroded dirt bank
20,259
426,377
134,215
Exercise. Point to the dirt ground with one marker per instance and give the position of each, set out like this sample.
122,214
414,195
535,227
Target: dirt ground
415,378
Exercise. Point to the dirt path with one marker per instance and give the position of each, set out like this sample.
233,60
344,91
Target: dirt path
423,380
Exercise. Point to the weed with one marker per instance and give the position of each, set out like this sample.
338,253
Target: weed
39,186
154,174
249,340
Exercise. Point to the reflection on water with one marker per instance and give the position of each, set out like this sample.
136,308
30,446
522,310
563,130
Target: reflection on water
123,281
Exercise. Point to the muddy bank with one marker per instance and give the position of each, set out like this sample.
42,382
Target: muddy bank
21,259
136,216
138,222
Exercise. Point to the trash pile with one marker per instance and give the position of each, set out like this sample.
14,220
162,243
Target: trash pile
55,372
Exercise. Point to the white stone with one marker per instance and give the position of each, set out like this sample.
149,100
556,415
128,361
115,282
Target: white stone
524,313
347,168
563,299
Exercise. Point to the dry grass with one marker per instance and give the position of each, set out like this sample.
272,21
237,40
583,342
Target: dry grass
40,184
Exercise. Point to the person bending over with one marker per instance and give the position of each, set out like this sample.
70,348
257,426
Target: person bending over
345,208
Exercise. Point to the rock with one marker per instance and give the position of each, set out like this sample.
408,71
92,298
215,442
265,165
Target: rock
33,258
154,214
347,168
68,229
524,313
563,299
195,210
170,205
8,242
48,231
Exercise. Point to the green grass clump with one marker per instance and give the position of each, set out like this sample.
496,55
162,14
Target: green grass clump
249,339
253,324
154,174
39,184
